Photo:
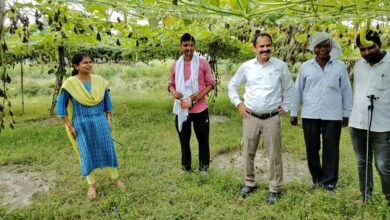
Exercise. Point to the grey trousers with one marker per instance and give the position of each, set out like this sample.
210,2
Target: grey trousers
270,129
379,147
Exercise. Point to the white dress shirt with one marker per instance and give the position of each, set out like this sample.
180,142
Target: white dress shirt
326,93
267,87
371,80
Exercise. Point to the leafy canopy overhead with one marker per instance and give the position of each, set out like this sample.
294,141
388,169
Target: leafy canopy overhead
47,31
105,25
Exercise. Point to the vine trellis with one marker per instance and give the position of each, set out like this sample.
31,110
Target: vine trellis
46,32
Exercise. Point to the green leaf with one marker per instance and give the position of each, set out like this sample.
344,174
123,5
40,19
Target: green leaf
23,5
249,6
214,2
273,18
96,8
232,3
187,21
301,37
153,22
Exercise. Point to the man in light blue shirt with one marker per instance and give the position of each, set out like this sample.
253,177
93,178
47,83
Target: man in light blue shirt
324,90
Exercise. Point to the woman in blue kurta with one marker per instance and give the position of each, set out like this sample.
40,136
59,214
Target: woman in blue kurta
85,106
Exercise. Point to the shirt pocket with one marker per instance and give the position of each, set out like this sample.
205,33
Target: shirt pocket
271,80
380,81
333,81
309,80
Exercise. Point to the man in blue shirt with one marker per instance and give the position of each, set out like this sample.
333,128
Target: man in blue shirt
324,90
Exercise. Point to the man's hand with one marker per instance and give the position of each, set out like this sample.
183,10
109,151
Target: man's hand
345,121
175,94
243,110
198,95
281,111
195,97
294,121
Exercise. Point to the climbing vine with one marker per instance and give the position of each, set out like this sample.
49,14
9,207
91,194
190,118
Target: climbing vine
47,32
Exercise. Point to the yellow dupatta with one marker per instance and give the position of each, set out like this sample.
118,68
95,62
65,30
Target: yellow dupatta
78,91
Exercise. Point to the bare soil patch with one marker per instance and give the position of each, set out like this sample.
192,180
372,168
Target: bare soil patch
294,168
18,184
217,119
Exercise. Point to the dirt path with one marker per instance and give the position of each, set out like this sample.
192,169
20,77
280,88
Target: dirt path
218,119
18,184
294,169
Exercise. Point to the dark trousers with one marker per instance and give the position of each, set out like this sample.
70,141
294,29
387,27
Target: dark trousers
202,130
379,146
327,173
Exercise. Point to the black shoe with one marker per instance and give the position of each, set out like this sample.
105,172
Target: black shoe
329,188
204,168
315,185
246,190
272,197
185,169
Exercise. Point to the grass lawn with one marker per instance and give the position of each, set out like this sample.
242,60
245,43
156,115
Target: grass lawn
150,161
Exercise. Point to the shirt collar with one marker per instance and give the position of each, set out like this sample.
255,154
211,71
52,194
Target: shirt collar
313,60
271,60
386,58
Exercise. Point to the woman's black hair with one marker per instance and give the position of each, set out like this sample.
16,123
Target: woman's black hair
76,60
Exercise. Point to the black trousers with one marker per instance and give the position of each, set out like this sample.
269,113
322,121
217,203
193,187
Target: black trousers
201,123
327,173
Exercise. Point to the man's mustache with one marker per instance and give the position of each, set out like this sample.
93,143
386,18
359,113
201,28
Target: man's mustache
266,51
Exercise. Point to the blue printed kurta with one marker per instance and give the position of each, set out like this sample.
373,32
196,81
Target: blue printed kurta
93,132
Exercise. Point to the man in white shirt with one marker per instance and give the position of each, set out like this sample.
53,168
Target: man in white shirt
269,92
372,79
324,88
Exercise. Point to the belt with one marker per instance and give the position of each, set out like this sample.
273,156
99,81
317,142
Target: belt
265,115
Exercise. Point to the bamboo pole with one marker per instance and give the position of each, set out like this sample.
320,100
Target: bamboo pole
21,82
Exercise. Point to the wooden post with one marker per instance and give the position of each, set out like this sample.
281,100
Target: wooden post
21,82
2,65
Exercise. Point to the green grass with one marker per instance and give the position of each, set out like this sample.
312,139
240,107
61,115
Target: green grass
150,162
